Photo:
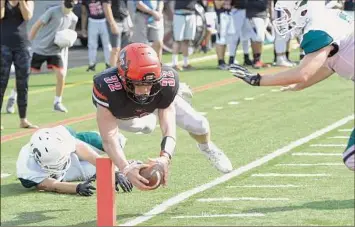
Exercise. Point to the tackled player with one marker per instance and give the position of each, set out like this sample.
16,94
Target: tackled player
327,38
55,157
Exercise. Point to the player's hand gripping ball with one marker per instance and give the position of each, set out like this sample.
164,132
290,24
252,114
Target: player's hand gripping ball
154,173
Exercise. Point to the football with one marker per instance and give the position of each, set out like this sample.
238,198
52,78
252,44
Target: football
153,173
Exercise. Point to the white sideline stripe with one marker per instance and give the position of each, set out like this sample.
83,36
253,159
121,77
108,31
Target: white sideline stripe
316,154
218,107
221,216
264,186
291,175
227,199
345,130
233,103
309,164
219,180
328,145
339,137
4,175
249,99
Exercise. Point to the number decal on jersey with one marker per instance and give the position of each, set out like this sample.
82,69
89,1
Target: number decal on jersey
113,83
345,16
168,79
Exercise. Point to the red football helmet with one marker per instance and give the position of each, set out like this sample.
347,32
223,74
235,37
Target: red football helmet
139,65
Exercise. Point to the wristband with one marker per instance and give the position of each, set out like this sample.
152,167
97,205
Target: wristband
167,146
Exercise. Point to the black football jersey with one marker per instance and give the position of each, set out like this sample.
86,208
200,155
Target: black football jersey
109,92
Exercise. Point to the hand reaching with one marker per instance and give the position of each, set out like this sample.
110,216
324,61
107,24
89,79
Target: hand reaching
244,74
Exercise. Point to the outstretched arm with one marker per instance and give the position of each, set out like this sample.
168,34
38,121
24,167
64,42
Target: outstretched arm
52,185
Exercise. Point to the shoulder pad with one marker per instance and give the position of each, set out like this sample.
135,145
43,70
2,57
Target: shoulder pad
315,40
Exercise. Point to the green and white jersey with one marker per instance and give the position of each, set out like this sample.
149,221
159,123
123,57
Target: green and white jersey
332,27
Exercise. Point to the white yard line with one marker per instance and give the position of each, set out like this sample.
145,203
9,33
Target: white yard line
187,194
265,186
328,145
4,175
345,130
233,103
310,164
221,216
316,154
227,199
249,98
218,107
291,175
339,137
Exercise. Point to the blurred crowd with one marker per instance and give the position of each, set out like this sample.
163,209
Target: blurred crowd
180,27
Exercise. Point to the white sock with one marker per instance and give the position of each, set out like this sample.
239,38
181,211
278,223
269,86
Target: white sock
13,94
175,59
186,61
280,58
57,99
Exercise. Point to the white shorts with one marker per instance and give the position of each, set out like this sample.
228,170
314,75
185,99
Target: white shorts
256,26
225,20
184,27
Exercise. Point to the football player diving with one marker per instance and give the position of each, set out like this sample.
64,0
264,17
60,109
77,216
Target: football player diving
55,157
327,38
132,96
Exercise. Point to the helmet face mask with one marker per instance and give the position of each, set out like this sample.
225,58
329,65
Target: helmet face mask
294,16
139,65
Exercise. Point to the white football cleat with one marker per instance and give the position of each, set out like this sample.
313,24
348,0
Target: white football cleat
10,106
217,158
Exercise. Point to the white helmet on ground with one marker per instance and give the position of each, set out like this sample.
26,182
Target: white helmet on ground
294,14
51,148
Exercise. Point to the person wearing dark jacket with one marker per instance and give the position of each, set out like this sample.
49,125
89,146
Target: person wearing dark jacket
15,49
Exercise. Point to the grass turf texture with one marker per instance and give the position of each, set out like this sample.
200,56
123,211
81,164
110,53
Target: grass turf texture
246,132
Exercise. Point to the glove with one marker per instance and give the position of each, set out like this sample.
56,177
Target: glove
244,74
85,189
123,182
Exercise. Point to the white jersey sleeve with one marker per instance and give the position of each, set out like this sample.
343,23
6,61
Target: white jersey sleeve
28,171
327,27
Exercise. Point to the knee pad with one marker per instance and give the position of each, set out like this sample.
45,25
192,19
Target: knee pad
349,158
198,126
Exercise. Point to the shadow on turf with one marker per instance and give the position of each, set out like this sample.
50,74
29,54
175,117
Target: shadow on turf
13,189
316,205
27,218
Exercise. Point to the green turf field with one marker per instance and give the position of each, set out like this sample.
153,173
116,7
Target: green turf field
308,185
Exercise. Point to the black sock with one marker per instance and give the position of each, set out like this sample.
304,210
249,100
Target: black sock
275,55
287,55
231,60
246,57
301,56
256,57
221,62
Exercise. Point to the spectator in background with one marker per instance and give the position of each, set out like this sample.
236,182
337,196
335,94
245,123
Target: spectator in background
15,49
184,30
92,10
119,24
222,9
43,32
149,24
257,12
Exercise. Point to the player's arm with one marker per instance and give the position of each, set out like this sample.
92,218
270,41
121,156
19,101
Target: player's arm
26,8
168,127
106,4
322,74
34,30
109,132
86,152
52,185
308,68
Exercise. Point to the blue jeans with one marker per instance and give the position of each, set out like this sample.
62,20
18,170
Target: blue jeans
21,58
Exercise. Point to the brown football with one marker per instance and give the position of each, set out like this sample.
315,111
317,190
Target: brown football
153,173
